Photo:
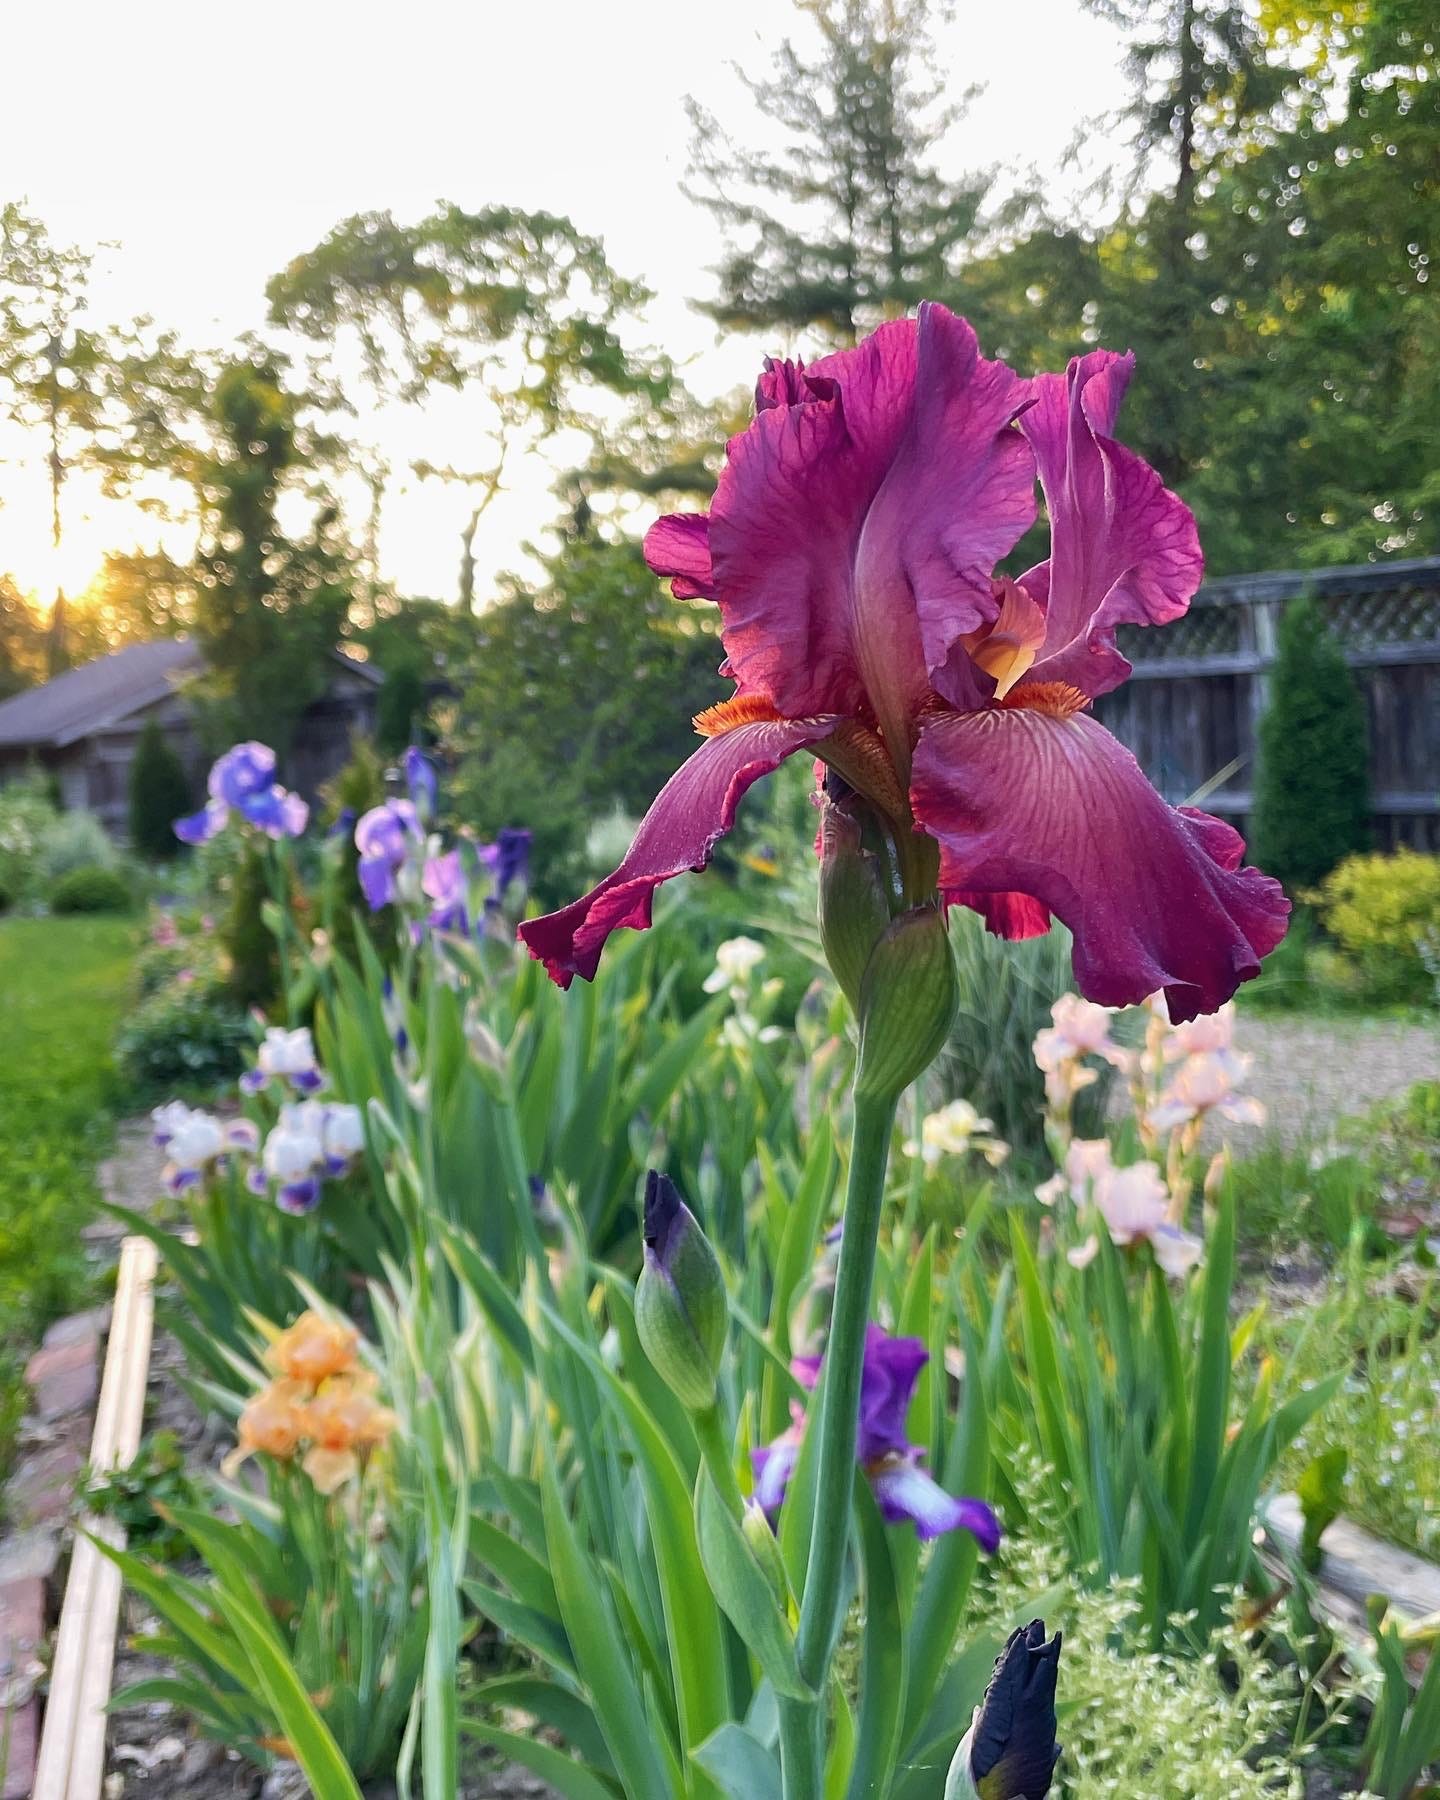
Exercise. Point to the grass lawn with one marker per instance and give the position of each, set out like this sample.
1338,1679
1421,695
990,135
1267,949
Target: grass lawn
63,983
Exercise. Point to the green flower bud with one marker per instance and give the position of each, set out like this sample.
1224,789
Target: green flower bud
760,1536
680,1308
1009,1752
853,910
907,1003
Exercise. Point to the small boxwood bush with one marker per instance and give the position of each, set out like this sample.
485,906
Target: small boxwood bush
91,888
189,1034
1382,911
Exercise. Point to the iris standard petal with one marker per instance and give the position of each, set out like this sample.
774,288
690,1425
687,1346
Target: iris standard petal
903,1490
243,770
785,526
688,817
1123,548
1024,801
678,546
957,497
888,1375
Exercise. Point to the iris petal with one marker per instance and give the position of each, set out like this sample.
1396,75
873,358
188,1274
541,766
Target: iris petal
1025,802
1123,548
689,816
903,1491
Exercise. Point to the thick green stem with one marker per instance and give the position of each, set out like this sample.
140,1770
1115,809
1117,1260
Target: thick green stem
821,1604
801,1760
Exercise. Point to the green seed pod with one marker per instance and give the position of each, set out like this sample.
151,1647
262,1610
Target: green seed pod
853,911
680,1306
907,1003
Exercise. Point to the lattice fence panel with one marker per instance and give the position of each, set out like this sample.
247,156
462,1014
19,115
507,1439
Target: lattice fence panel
1204,631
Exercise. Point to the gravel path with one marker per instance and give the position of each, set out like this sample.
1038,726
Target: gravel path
1311,1071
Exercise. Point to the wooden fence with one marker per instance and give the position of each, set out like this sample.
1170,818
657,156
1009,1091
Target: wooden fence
1190,709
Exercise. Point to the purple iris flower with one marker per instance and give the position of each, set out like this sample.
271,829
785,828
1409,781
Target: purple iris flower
243,781
508,863
902,1489
446,883
276,811
242,772
200,827
385,837
423,782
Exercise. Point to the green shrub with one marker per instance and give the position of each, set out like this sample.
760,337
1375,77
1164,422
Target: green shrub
190,1034
1381,910
159,794
254,958
91,888
26,810
1312,796
1006,991
72,840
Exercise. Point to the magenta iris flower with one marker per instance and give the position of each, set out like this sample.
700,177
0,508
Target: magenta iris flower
902,1488
243,781
852,548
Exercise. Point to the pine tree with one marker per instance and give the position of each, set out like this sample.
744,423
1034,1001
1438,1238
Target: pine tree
159,794
1312,798
849,223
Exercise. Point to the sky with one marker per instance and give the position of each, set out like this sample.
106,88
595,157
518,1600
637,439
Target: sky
211,144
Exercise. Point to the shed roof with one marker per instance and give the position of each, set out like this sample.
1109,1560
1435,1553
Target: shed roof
97,694
101,694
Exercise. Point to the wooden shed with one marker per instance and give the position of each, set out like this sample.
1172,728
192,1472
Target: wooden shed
83,726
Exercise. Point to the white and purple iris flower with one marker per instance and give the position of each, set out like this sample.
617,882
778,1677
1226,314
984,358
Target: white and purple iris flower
197,1144
310,1141
902,1488
243,781
390,843
287,1057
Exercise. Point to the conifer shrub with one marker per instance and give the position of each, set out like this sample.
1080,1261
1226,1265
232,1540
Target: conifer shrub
1312,793
159,794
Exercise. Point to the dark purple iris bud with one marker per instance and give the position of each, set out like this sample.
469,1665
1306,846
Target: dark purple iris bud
344,823
680,1306
422,783
1010,1752
508,861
